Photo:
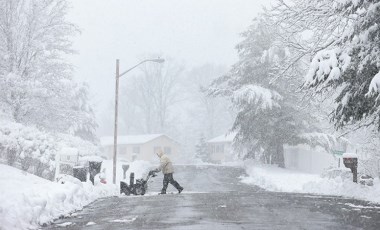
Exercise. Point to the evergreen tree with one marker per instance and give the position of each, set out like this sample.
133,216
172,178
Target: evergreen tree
85,125
269,108
343,41
201,150
352,66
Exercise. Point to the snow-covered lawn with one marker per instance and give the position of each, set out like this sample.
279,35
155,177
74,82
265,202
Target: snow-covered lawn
26,201
277,179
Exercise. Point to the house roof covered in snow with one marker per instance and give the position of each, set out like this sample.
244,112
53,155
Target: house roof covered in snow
223,138
129,139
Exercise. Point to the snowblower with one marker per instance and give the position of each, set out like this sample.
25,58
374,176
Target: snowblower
138,188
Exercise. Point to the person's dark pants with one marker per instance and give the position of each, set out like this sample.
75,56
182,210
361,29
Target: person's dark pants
168,178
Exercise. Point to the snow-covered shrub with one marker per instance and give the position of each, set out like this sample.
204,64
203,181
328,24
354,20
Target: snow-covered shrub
28,146
35,150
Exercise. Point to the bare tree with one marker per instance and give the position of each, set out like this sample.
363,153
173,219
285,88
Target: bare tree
214,114
151,96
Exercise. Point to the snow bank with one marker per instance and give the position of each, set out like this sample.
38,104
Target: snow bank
26,201
277,179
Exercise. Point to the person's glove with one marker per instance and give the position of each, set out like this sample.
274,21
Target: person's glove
152,172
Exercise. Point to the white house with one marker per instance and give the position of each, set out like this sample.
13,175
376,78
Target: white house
140,147
308,159
300,157
220,148
315,160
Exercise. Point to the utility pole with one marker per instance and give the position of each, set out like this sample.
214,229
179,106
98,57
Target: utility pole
115,128
118,75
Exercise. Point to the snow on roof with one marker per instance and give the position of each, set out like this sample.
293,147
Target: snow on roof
91,158
223,138
69,151
129,140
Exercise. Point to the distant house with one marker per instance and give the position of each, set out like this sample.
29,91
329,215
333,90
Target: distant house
140,147
308,159
300,157
315,160
220,148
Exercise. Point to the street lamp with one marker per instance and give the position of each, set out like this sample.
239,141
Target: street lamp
118,75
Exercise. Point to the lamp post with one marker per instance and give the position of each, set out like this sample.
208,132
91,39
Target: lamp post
118,75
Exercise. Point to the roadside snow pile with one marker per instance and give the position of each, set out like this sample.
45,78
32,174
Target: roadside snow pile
277,179
27,201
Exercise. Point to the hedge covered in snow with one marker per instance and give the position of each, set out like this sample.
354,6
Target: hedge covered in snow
34,150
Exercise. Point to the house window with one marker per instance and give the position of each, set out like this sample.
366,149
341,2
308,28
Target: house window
220,148
212,148
167,150
136,149
156,148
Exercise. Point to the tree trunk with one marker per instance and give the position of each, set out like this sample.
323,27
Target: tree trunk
251,154
11,156
39,167
280,159
25,163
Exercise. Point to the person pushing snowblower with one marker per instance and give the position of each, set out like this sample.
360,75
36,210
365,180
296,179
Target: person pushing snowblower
166,167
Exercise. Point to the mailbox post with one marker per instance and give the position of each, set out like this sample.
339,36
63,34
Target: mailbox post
125,169
94,168
350,160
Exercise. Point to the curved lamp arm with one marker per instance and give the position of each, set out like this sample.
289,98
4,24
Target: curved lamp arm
158,60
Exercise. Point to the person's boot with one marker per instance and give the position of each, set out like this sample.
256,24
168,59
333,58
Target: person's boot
180,189
162,192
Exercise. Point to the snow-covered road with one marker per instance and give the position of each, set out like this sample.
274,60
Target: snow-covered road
214,198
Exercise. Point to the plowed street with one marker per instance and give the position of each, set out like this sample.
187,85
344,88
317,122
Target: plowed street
214,198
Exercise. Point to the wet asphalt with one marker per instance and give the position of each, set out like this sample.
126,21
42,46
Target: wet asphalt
214,198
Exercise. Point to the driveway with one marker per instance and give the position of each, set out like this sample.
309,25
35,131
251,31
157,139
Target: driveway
214,198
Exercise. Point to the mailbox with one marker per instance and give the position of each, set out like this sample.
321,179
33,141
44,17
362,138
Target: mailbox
80,173
125,169
350,160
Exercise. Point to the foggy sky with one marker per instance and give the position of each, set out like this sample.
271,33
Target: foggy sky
193,32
